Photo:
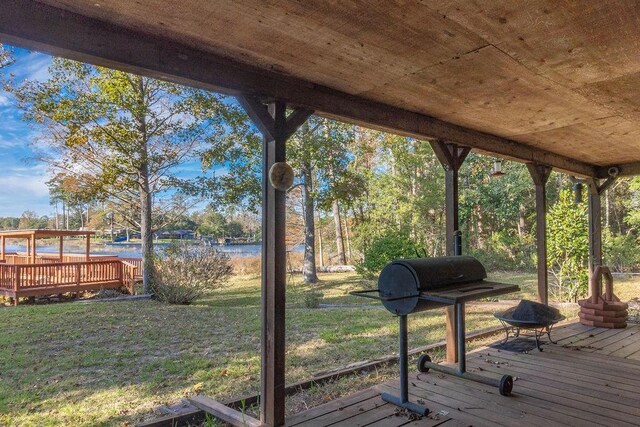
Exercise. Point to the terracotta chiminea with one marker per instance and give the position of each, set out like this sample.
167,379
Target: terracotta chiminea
602,310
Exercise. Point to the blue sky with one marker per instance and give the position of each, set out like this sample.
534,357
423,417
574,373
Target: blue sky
24,178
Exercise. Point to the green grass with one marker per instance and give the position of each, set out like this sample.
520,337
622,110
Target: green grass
109,364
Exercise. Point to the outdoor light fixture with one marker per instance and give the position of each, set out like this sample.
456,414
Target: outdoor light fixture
577,192
497,168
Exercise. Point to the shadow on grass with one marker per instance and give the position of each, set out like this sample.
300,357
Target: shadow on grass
112,363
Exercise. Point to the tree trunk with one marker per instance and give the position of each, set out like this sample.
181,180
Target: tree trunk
347,236
339,240
320,247
309,264
146,234
146,205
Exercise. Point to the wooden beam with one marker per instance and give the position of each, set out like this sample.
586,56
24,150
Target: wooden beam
3,242
540,175
61,248
88,248
224,413
34,25
625,169
451,156
276,128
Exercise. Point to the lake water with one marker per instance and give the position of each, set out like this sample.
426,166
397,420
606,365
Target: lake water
134,250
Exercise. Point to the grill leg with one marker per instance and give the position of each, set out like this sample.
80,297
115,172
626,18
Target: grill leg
505,384
403,400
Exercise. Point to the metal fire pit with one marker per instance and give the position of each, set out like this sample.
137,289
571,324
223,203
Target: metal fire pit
540,324
410,286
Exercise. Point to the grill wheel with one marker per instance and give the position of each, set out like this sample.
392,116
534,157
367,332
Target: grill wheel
422,361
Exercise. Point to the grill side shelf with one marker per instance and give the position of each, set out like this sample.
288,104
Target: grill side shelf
366,294
468,292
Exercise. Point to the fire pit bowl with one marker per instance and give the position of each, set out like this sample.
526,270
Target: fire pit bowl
532,316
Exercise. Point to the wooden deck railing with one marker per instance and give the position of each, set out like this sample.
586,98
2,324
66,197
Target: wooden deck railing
18,280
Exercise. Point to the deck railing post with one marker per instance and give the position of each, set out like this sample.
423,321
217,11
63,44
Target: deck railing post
78,273
16,278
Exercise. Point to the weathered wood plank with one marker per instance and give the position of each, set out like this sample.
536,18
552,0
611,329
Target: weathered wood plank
224,413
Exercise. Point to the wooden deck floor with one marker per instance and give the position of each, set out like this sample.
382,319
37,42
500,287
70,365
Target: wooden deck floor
591,377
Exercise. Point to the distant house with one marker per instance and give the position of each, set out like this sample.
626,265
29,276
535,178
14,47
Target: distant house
176,234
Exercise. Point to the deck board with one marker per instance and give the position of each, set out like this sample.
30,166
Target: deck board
591,377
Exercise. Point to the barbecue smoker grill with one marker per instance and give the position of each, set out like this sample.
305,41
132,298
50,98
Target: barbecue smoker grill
413,285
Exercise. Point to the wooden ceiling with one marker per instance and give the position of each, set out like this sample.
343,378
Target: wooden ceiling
559,76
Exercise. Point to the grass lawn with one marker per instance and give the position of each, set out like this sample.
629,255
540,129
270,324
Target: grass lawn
113,363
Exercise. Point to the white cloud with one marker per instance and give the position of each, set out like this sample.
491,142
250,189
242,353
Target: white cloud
24,188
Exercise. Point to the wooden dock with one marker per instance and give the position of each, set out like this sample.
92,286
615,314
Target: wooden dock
591,377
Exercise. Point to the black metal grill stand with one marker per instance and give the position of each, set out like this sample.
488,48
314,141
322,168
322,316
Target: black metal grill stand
504,384
403,399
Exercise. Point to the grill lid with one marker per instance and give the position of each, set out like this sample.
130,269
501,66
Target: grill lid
422,274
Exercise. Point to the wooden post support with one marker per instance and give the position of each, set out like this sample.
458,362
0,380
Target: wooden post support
33,249
540,174
88,248
61,249
276,128
596,188
451,156
3,241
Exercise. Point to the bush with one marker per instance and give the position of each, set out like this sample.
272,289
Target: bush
568,248
393,244
312,298
506,250
622,253
184,272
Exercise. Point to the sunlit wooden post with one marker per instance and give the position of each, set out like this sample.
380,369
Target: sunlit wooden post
540,175
596,188
61,248
451,156
276,127
88,248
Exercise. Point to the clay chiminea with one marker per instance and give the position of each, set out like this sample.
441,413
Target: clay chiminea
602,310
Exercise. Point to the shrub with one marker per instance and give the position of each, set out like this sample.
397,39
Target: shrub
312,298
622,253
393,244
568,248
186,271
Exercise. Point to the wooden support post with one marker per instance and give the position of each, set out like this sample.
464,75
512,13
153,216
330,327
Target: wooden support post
540,174
3,242
451,156
88,248
33,257
595,227
276,128
596,188
61,249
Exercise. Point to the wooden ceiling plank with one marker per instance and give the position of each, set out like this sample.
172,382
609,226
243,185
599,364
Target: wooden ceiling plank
37,26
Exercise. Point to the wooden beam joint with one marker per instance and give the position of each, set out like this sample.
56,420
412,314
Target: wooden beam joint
259,113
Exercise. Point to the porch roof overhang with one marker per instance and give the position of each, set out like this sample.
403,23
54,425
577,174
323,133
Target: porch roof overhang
546,82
